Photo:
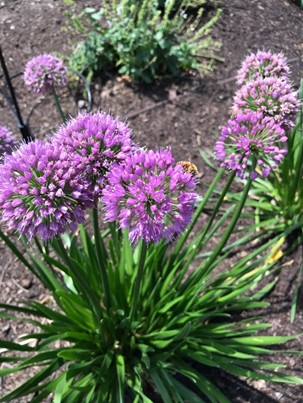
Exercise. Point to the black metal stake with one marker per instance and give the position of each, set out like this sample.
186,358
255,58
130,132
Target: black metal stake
24,129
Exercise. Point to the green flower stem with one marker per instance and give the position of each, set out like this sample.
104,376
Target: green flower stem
20,255
138,282
218,249
58,105
295,296
39,246
199,211
299,159
195,245
76,273
216,209
101,258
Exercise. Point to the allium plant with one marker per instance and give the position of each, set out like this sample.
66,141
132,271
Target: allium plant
45,74
150,196
261,65
280,196
251,136
271,96
140,311
276,194
41,191
278,200
97,141
7,141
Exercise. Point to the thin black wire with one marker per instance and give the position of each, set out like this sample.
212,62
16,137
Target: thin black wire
25,132
87,88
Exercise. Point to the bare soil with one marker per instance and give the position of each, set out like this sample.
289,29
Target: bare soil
184,113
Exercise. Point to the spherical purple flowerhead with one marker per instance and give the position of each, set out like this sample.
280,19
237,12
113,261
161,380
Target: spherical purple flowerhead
41,191
272,96
251,136
97,140
45,72
150,195
7,141
261,65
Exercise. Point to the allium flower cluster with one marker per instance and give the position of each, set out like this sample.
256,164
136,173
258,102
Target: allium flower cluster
96,140
41,191
261,65
271,96
45,72
7,141
264,109
251,136
150,195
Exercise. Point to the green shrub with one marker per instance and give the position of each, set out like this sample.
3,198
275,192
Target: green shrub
145,39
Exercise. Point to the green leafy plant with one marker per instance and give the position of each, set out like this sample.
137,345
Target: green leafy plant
163,318
279,198
142,40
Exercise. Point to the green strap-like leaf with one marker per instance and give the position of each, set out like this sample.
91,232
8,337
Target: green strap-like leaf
27,386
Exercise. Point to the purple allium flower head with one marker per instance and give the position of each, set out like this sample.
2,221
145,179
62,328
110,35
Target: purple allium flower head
7,141
45,72
150,195
97,140
41,191
248,136
272,96
261,65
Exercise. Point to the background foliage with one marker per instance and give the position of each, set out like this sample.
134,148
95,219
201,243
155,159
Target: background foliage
145,39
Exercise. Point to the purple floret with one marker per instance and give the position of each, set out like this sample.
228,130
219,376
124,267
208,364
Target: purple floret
45,72
7,141
97,141
42,191
150,195
273,97
261,65
248,136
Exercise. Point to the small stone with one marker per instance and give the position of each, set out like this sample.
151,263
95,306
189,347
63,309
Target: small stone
26,283
81,104
12,27
278,395
33,294
259,384
6,329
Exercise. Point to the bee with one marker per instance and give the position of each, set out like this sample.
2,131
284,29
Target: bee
189,167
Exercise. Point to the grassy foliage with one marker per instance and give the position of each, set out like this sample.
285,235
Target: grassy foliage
162,320
279,198
276,203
